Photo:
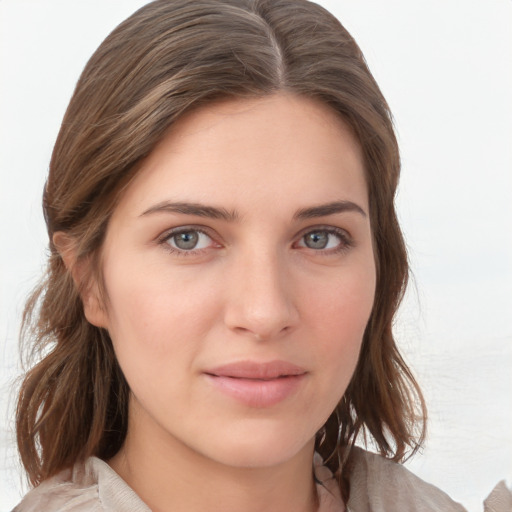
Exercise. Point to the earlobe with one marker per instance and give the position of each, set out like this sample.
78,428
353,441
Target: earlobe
93,308
86,284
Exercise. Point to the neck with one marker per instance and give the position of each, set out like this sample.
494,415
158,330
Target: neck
168,475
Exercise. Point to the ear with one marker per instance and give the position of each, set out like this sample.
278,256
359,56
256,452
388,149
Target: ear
84,279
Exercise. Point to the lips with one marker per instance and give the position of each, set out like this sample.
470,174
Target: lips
257,384
260,371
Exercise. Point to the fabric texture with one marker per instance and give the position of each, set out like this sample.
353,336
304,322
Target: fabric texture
376,485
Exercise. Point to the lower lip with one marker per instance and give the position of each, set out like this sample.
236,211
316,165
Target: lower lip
258,393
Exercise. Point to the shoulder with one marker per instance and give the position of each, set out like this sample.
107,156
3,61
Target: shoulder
64,492
377,483
91,486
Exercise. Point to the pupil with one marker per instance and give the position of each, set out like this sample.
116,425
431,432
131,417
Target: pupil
186,240
317,240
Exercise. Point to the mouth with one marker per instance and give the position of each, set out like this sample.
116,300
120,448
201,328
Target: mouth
253,370
257,384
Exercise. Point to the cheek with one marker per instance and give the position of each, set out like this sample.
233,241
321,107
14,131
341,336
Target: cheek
152,333
345,301
158,316
340,312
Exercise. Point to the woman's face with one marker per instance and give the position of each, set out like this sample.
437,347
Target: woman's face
240,275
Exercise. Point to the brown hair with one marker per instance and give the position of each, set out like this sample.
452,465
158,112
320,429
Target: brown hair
167,58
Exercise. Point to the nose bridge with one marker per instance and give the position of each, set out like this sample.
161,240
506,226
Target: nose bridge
260,299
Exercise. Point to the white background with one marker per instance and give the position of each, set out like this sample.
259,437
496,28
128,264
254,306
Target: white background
445,68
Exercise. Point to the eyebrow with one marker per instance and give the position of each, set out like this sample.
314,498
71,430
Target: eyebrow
196,209
323,210
213,212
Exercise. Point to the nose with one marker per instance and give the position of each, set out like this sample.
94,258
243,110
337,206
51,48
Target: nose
260,301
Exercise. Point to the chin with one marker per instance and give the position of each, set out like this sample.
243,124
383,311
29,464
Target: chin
260,448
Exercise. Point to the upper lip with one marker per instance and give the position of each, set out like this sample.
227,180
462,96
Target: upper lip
257,370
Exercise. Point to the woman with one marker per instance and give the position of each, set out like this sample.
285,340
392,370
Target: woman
225,266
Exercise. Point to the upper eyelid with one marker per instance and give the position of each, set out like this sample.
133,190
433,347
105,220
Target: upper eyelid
168,233
323,227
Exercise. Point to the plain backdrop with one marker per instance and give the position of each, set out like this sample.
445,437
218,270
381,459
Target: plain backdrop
445,68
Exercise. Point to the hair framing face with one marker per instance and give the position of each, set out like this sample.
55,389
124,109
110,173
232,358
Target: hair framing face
168,58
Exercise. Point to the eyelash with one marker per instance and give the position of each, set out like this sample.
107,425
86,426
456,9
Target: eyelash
168,235
346,242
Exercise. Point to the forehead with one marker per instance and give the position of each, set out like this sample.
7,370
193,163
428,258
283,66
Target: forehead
251,151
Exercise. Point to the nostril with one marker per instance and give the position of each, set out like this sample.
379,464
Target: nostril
262,334
249,332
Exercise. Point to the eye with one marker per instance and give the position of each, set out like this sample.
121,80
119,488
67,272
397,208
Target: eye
188,240
324,239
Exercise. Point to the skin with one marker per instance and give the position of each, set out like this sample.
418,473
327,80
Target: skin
251,290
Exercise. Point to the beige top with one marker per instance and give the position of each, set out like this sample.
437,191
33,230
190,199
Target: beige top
376,485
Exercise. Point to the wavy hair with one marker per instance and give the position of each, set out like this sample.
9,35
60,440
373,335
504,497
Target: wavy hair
169,57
